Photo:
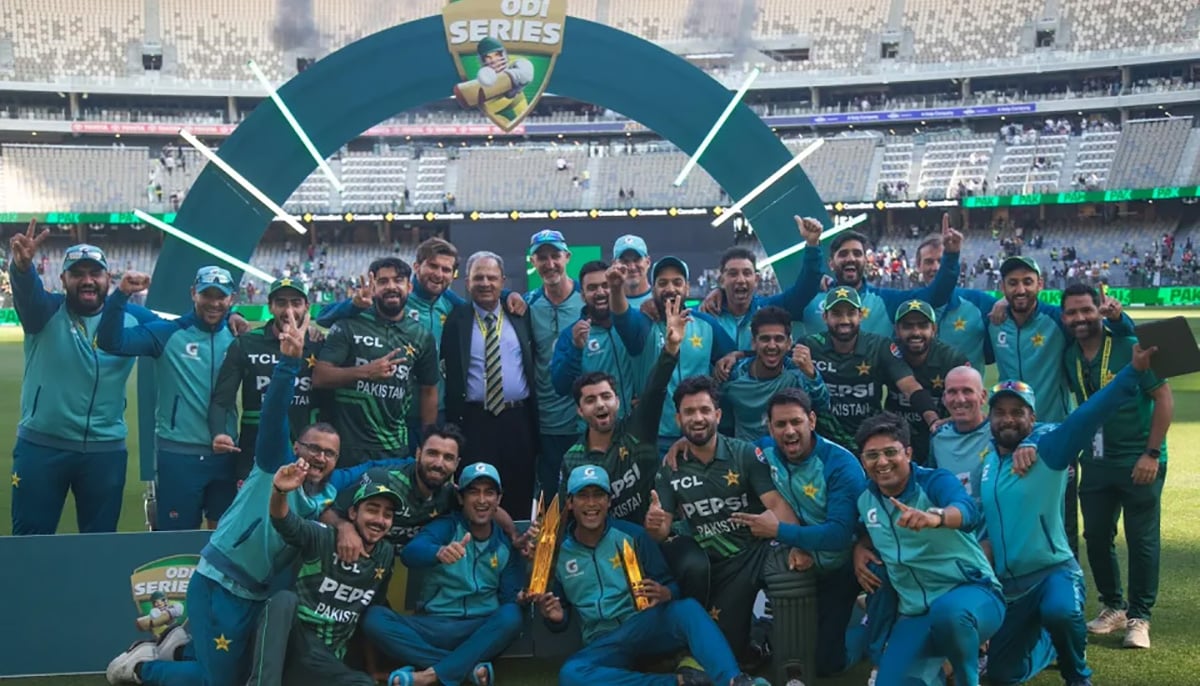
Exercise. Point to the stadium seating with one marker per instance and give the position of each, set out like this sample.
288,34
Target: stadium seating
897,161
958,31
74,178
656,20
431,181
839,30
1031,167
1105,25
951,159
69,37
213,40
1095,157
313,194
520,178
372,182
840,168
1149,153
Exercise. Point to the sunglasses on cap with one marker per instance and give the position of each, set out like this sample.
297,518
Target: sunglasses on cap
1012,386
84,253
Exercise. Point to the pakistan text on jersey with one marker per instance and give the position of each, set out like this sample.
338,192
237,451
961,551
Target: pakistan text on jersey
710,529
338,615
384,391
854,409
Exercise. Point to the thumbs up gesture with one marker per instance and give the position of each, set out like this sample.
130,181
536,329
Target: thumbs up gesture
657,518
453,551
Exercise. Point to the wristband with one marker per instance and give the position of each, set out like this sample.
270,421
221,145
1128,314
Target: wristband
278,491
1153,452
922,402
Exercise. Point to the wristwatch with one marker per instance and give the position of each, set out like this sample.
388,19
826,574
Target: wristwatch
1153,452
941,513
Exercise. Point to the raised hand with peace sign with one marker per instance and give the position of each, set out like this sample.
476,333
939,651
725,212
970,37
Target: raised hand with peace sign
24,246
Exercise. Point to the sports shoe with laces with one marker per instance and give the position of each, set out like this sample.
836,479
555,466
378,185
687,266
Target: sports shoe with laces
1109,620
1137,634
171,642
122,669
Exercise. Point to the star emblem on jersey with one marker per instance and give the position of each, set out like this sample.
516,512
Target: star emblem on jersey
960,324
938,381
1107,377
866,312
311,360
811,490
16,480
1038,340
982,454
731,478
442,319
412,352
379,572
864,369
715,613
696,340
222,643
495,561
615,561
623,453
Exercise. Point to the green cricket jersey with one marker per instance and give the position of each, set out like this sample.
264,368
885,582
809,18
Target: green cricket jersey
1123,438
632,458
371,415
941,359
856,380
707,494
333,595
415,510
249,363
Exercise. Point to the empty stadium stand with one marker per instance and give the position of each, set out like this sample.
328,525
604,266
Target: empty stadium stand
1149,153
65,37
74,178
840,168
372,182
1106,25
1031,167
1095,156
839,31
897,161
950,159
957,31
521,178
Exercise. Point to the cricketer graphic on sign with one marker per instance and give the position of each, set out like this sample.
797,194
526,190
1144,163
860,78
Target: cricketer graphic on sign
504,51
160,592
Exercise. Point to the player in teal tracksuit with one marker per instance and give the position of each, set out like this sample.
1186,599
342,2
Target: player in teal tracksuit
739,291
919,522
821,481
194,483
600,350
71,435
704,341
245,557
590,576
1043,584
847,263
468,610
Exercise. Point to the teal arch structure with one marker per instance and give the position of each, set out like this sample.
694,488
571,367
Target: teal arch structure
408,65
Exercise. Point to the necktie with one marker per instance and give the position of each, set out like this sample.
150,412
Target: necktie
493,381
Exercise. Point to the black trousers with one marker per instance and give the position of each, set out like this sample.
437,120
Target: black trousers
288,652
506,442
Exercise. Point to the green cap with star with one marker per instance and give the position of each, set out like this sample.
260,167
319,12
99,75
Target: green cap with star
920,306
842,294
1011,264
294,284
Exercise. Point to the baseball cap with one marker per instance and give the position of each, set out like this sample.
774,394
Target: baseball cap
588,475
479,470
372,488
1018,262
629,242
916,306
1018,389
81,252
842,294
294,284
669,261
214,277
547,237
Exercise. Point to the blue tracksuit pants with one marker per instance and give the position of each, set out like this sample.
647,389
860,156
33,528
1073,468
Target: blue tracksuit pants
451,646
1047,621
42,476
661,629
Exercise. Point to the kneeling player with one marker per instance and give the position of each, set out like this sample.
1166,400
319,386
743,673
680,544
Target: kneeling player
468,610
302,635
590,576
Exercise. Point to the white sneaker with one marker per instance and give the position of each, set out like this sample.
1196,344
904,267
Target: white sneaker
120,670
871,679
1137,634
1110,620
171,642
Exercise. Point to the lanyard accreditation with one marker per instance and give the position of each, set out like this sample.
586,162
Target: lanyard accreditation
483,327
1105,377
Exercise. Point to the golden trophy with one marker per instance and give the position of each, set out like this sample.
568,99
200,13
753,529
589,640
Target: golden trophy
633,572
550,521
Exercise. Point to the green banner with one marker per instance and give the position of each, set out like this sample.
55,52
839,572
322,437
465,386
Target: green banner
1081,197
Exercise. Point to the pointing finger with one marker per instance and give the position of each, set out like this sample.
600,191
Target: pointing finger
899,505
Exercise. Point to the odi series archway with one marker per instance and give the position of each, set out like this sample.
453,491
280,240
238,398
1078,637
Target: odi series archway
408,65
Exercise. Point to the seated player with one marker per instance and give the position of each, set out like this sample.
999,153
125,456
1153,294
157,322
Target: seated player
468,610
302,634
590,576
918,521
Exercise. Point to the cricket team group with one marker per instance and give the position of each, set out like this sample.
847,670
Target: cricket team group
832,448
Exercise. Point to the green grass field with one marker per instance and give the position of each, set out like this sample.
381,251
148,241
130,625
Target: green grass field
1174,660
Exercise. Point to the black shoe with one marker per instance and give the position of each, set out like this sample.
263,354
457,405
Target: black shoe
689,676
